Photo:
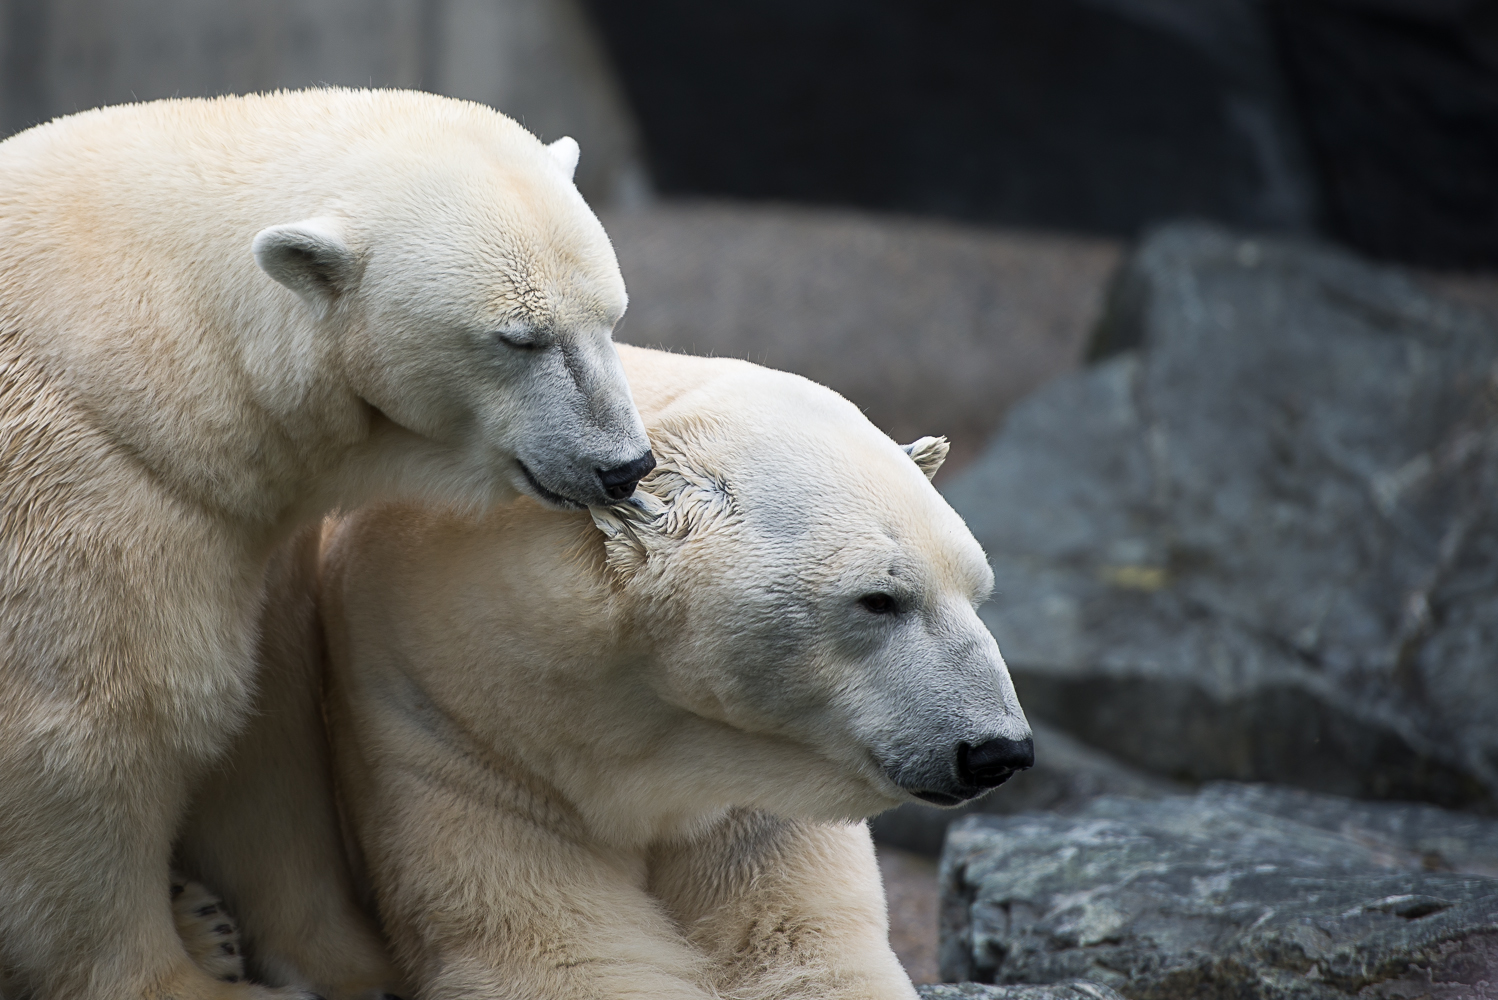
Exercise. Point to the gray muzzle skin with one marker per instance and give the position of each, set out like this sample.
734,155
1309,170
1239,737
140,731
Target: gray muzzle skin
613,485
973,769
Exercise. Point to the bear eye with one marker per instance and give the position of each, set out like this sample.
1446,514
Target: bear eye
520,340
879,603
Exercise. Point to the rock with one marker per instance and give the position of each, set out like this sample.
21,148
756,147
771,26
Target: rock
536,60
912,902
1434,839
1139,110
1188,897
1257,541
932,328
1476,288
1067,775
981,991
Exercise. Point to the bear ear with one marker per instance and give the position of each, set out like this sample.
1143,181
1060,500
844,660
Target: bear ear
626,527
928,453
311,258
670,505
564,152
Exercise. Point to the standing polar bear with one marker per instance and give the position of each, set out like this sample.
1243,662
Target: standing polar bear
219,319
622,753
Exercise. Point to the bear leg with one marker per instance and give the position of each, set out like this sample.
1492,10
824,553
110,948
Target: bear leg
207,930
106,929
263,829
784,908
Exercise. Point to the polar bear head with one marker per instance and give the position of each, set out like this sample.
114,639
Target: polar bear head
802,582
472,296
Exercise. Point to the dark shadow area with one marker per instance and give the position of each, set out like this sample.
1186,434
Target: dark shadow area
1374,121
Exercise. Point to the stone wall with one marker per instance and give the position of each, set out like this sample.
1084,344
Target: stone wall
536,60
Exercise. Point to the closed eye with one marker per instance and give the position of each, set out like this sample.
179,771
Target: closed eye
879,604
520,340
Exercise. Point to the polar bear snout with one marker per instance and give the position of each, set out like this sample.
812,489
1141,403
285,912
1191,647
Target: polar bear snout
619,482
993,762
580,442
967,770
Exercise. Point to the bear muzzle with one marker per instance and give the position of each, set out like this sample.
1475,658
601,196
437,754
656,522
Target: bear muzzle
993,762
619,482
975,768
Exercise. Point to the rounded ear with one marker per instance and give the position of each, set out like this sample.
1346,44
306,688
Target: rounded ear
565,153
311,258
627,527
671,504
928,453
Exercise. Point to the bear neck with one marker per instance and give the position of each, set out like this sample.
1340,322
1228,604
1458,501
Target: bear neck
637,771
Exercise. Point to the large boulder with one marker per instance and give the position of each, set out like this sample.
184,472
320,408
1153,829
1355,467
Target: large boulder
1258,539
932,328
1210,896
983,991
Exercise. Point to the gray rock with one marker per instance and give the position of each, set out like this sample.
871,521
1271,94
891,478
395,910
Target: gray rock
1067,775
932,328
1421,836
1258,540
983,991
1188,897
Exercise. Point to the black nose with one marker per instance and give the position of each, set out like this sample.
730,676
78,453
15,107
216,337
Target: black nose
619,482
990,764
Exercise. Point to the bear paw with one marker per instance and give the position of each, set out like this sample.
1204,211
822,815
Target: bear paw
208,932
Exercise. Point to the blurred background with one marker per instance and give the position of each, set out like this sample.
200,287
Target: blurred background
919,204
1202,291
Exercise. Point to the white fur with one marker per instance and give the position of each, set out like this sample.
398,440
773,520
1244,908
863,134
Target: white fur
928,453
312,258
169,413
566,153
624,753
207,930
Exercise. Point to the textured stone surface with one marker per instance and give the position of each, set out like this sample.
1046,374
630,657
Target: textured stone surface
932,328
1189,897
1067,775
1416,835
983,991
1258,541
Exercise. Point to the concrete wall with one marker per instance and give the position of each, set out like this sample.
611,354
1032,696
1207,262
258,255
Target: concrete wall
536,60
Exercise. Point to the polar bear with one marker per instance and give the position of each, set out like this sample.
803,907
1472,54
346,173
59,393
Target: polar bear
218,320
625,753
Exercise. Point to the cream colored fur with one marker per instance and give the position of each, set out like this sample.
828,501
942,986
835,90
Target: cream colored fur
218,320
625,754
207,929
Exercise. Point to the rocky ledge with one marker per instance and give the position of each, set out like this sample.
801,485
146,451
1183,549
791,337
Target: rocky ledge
1051,991
1257,539
1237,891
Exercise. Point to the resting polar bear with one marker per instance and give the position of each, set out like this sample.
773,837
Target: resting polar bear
620,754
431,315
